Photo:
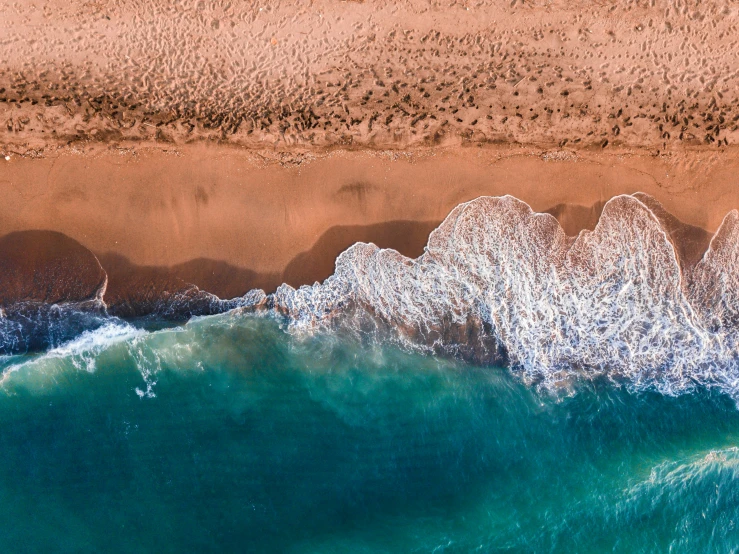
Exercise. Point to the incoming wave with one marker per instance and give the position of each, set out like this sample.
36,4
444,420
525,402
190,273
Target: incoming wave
501,284
80,354
498,283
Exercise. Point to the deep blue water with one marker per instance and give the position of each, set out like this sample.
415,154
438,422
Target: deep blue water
231,435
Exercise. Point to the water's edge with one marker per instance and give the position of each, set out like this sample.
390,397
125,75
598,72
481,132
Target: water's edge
500,284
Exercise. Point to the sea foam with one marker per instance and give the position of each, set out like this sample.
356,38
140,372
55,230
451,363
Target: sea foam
500,283
80,353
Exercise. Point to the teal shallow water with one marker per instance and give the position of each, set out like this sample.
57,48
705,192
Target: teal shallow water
230,435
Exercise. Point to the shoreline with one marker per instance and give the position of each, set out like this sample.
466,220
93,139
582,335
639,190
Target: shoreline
234,146
229,219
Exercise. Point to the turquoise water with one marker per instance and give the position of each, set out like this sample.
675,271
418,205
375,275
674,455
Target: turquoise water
231,435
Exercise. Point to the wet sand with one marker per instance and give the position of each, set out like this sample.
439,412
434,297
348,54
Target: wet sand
230,219
47,267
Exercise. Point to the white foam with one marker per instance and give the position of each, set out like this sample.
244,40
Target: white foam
610,301
81,352
84,349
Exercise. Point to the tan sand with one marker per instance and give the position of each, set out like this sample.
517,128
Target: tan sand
378,73
228,219
242,144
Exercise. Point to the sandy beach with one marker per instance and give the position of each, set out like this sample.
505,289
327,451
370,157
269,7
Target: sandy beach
239,146
228,219
376,73
369,276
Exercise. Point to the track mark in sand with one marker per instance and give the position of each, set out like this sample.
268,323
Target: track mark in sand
381,74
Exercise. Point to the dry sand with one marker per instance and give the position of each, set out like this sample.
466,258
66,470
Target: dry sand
238,145
379,73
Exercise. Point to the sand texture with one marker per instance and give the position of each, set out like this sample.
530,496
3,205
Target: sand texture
377,73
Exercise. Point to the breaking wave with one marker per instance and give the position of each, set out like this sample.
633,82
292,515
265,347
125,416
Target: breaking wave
498,283
36,326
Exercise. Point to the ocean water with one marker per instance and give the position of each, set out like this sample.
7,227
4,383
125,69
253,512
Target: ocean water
233,434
